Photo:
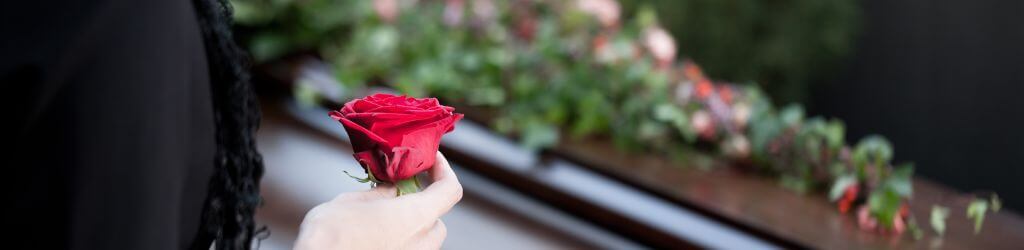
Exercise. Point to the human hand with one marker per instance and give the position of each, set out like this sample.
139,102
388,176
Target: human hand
377,219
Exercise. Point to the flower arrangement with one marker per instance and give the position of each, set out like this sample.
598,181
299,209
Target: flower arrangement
577,68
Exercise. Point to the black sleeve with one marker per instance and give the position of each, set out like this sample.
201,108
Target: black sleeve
109,120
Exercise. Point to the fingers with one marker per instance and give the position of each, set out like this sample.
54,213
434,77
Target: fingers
438,198
441,170
381,191
434,237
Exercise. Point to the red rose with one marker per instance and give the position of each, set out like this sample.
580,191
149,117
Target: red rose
395,137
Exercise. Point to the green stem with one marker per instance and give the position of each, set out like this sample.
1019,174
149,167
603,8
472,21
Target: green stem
408,186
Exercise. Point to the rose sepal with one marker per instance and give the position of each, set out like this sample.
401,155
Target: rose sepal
403,187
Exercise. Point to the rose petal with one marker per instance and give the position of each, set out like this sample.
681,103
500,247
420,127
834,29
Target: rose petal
396,136
451,125
371,163
402,109
398,156
362,138
358,106
395,130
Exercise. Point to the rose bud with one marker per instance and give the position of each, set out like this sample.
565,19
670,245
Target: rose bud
693,71
396,137
849,196
725,92
704,89
526,28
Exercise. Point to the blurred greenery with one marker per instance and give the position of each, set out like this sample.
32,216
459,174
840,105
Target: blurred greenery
551,71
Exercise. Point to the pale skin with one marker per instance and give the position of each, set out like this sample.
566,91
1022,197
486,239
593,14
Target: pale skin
377,219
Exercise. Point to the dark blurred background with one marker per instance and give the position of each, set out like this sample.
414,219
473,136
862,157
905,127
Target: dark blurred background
941,79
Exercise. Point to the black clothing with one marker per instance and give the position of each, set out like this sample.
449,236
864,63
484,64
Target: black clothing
107,104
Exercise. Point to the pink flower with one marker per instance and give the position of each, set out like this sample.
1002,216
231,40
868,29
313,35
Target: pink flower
387,10
606,11
661,45
453,12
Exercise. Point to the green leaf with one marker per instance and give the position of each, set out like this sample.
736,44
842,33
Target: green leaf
666,112
885,205
369,177
976,210
840,186
592,110
834,132
901,180
938,219
872,149
792,115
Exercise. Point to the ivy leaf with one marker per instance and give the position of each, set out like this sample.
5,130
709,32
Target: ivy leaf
901,180
840,186
792,115
834,132
884,204
976,210
874,149
938,219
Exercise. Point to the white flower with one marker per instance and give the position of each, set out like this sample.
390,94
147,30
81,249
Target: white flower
701,122
741,114
737,147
